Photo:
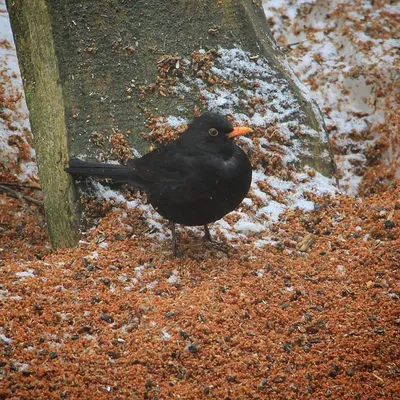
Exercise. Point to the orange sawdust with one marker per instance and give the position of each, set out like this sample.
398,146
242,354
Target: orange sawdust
119,317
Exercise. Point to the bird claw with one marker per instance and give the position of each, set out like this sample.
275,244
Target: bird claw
207,235
206,238
219,246
176,252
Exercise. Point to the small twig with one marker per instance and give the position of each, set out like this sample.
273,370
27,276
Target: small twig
306,242
32,200
290,45
24,200
378,377
23,185
273,148
20,196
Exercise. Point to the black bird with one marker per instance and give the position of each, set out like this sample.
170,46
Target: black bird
194,180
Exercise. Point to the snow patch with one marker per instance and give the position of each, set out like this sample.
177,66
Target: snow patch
29,273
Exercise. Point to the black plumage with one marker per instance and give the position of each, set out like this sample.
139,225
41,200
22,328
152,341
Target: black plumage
194,180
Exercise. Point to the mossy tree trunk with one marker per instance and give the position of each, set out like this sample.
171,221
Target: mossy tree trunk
32,27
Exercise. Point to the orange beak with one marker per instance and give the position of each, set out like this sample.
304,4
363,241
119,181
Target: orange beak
239,131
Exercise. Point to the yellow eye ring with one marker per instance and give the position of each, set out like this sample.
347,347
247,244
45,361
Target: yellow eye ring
213,132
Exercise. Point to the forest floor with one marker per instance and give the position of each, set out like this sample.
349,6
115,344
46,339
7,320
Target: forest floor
314,315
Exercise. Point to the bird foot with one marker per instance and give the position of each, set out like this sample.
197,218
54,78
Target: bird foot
207,238
207,235
219,246
176,252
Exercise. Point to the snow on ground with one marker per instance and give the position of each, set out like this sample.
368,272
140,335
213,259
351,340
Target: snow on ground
347,53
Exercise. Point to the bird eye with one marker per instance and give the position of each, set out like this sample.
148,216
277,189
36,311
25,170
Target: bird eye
213,132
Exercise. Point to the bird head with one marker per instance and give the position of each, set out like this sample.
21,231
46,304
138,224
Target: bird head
213,130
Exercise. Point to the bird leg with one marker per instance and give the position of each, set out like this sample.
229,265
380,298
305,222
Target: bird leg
175,251
207,234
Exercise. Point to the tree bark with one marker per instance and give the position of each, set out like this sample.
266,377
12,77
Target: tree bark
32,27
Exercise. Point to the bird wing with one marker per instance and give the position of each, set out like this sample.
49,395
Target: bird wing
176,174
190,189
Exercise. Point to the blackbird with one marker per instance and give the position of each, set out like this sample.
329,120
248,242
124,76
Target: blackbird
194,180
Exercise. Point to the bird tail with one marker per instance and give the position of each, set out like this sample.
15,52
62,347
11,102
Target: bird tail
117,172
